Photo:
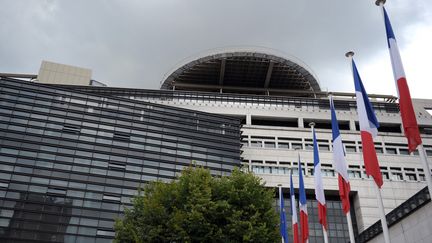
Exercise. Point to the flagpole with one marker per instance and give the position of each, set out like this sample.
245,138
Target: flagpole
325,235
312,125
426,168
384,225
422,152
383,217
350,227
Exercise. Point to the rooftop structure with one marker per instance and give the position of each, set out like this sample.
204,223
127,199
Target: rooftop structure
243,72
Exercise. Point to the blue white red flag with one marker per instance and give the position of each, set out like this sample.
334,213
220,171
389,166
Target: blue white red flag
368,128
303,207
339,161
293,211
409,120
319,187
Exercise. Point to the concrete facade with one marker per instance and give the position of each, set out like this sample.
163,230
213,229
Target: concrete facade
405,174
55,73
416,228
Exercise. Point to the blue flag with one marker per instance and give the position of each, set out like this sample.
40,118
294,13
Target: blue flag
283,225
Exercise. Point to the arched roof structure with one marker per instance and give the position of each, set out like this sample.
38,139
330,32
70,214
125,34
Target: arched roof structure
242,71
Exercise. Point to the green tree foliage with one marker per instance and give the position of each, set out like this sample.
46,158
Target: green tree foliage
200,208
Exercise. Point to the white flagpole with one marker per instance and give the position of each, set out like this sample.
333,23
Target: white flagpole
383,217
422,152
426,168
350,227
350,55
325,235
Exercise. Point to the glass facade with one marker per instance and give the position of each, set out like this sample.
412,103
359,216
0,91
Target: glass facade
336,219
70,161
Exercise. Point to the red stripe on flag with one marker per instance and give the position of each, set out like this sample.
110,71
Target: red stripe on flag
304,226
370,158
322,215
344,190
295,234
409,120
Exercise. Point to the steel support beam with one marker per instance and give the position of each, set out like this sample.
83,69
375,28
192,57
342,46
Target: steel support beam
268,76
222,72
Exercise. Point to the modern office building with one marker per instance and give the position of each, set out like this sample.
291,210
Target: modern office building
70,161
274,97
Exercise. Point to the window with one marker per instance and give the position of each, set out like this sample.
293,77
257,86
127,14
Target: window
116,166
384,172
283,145
297,146
58,191
111,197
256,144
391,151
269,144
396,173
403,151
105,233
410,174
69,128
379,150
350,148
421,175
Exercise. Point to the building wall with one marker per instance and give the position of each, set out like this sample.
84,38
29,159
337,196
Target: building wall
404,174
56,73
71,161
416,228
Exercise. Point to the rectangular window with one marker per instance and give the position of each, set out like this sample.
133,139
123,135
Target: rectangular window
256,144
391,151
269,144
350,149
105,233
110,198
296,146
116,166
56,191
403,151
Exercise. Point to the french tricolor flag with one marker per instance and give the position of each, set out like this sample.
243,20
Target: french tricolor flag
368,128
319,187
339,161
409,120
303,207
294,212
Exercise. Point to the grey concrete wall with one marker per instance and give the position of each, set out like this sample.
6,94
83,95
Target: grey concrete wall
416,228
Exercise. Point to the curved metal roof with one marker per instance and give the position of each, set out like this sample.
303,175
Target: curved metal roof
242,71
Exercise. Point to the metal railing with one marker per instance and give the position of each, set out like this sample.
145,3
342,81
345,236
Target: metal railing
298,102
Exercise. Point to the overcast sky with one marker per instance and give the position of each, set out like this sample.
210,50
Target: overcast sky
134,43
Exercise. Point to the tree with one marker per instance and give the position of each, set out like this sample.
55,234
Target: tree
200,208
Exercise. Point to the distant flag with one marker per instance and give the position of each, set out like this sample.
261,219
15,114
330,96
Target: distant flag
409,120
293,211
339,161
319,187
368,129
303,207
283,225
